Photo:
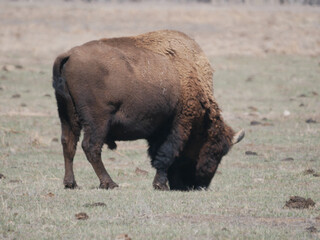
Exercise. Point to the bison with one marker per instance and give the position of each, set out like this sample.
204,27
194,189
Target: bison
155,86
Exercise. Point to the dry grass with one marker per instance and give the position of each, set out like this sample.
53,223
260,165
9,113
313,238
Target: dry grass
246,199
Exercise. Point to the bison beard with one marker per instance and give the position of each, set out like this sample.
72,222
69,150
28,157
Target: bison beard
156,86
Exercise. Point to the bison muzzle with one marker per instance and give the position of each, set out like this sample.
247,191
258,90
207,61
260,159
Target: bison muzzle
155,86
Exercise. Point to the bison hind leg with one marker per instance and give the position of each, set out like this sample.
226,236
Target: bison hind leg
70,133
95,135
92,145
69,141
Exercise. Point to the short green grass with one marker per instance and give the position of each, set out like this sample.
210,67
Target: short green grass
246,198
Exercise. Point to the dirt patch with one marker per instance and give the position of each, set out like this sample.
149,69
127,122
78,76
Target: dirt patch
17,95
10,68
309,171
15,181
82,216
123,237
48,195
250,153
288,159
312,229
266,124
252,108
299,202
310,120
141,172
97,204
255,123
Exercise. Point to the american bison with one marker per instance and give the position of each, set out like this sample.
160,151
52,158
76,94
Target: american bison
155,86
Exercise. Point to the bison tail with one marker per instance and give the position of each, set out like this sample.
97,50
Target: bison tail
58,82
66,106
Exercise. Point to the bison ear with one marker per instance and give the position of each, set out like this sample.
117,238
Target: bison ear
238,136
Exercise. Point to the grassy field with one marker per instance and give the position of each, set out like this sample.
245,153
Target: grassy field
246,198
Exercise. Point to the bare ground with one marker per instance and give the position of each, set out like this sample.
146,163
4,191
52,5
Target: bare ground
36,32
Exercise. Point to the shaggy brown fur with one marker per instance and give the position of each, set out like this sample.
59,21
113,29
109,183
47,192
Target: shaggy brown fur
156,86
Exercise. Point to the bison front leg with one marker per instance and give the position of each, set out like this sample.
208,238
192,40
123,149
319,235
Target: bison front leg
163,157
92,145
69,141
161,160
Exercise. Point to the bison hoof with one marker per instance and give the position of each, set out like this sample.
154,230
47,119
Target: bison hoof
108,185
70,185
160,186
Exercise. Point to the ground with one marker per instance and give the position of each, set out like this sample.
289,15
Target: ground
267,68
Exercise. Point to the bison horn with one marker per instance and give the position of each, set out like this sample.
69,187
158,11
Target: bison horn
238,136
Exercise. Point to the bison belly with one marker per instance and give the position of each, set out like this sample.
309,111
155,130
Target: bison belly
138,123
147,96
